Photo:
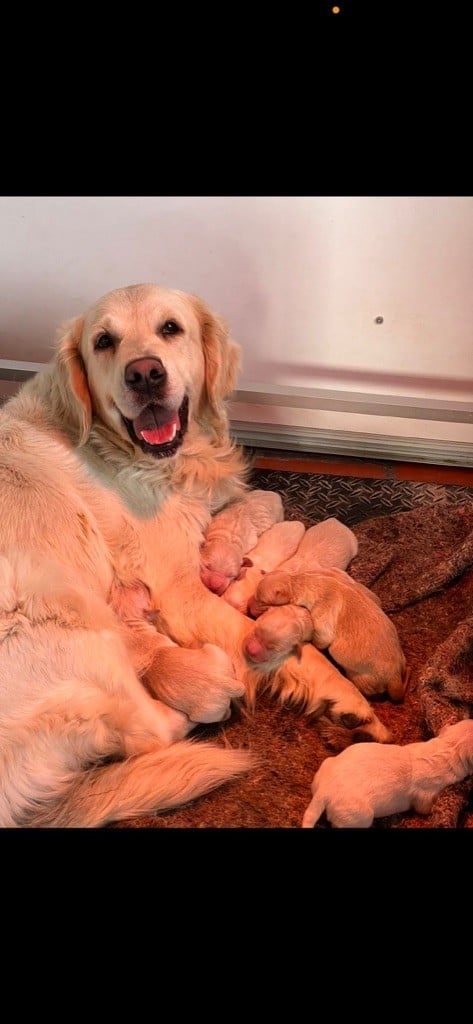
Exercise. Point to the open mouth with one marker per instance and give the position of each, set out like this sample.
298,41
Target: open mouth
158,431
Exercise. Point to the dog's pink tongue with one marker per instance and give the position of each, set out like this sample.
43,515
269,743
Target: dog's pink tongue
147,427
166,433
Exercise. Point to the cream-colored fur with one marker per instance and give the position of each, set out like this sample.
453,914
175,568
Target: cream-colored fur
232,533
368,781
325,545
199,682
112,461
274,545
347,621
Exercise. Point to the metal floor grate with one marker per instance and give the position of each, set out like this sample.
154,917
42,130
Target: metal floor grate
314,496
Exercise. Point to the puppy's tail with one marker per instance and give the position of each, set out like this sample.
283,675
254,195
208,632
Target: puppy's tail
313,812
145,783
397,687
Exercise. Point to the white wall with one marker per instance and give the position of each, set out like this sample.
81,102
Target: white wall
300,281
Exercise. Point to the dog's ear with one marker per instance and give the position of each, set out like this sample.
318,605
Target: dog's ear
222,364
72,378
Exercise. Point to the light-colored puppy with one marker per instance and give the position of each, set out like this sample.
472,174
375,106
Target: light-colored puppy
309,681
348,623
329,544
367,781
273,547
232,533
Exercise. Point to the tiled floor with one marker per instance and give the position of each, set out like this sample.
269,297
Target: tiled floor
362,468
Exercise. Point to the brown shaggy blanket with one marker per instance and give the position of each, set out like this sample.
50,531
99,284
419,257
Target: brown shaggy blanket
420,563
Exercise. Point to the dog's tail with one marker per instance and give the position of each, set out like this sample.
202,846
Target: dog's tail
158,780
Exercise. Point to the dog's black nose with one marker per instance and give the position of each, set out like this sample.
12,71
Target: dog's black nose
145,375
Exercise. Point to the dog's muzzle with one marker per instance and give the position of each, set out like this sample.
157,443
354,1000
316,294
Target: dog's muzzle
158,430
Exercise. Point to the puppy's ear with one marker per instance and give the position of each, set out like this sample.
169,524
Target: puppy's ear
222,364
72,378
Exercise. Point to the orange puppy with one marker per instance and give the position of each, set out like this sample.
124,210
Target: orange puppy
279,631
348,622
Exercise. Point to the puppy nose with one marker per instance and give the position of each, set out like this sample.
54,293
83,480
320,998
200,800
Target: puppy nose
142,374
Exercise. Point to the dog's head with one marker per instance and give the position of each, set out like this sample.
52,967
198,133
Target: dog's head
147,362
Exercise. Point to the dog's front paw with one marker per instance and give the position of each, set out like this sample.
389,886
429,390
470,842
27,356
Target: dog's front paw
197,681
212,700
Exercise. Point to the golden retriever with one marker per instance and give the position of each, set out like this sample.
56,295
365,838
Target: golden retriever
113,460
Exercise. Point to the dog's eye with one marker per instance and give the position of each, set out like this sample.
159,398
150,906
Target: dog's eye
103,341
170,327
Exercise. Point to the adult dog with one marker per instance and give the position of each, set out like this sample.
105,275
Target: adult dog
112,461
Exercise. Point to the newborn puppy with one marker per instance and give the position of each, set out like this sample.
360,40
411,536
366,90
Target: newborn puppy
279,631
327,544
348,622
273,547
368,781
234,531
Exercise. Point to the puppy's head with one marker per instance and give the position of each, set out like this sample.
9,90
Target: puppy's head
274,588
148,363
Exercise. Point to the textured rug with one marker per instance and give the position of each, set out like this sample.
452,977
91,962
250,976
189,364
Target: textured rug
416,552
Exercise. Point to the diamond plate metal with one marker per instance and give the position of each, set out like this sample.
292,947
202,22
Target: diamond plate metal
312,497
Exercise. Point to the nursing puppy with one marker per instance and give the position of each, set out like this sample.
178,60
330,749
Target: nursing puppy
274,546
329,544
348,622
232,533
279,631
369,781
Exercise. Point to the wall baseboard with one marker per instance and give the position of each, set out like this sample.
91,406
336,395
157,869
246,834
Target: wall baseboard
353,443
278,398
356,424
